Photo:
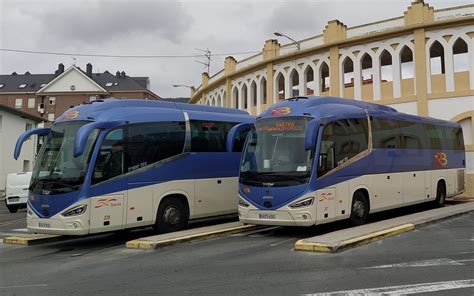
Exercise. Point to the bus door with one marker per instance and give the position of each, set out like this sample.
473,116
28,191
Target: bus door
109,186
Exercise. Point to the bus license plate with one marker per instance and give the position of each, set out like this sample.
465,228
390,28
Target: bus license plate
44,225
266,216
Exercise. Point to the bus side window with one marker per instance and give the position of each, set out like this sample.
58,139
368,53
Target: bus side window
342,140
385,133
110,160
435,136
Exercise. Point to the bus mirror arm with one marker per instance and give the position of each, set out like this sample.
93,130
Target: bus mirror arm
311,135
25,136
84,132
233,131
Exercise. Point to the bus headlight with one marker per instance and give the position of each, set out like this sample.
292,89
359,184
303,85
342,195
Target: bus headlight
302,203
243,203
75,211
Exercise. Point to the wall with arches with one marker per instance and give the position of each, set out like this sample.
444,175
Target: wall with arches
420,63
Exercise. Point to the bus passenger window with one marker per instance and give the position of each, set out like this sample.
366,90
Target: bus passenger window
385,133
111,158
342,140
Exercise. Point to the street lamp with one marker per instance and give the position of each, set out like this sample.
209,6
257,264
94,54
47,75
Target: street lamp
296,43
182,85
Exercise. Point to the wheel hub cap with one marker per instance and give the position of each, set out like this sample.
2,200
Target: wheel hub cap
171,215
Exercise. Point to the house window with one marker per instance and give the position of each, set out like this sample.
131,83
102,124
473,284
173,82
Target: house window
52,101
23,85
18,103
109,84
92,98
51,117
31,103
28,126
2,85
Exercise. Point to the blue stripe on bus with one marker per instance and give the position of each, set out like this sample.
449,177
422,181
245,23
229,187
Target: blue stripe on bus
378,162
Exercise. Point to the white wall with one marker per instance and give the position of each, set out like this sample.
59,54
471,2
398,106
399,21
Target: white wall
449,107
409,108
12,127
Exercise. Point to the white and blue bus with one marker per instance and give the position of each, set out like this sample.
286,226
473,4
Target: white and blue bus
117,164
313,160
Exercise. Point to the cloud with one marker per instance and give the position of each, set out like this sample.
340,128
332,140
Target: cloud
101,21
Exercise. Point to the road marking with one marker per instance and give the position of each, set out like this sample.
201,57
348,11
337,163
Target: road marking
255,231
405,289
12,222
20,229
424,263
465,260
24,286
279,243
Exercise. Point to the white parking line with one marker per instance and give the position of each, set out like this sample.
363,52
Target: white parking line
23,286
405,289
255,231
424,263
21,229
279,243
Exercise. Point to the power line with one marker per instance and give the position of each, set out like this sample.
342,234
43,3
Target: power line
122,56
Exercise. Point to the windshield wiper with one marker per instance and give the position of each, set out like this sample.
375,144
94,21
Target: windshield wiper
32,185
298,179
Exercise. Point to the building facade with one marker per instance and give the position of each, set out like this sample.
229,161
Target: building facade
49,95
420,63
13,123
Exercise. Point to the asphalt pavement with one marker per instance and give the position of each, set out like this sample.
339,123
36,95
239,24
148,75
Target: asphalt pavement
436,259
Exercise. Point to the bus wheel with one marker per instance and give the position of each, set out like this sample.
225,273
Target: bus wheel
359,210
172,216
440,195
12,209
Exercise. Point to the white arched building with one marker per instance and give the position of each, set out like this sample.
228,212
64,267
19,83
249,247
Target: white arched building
420,63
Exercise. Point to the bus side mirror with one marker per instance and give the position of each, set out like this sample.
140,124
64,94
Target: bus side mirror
26,135
84,132
311,134
234,131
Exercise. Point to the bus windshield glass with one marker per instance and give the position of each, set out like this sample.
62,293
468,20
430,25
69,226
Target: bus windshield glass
57,170
275,153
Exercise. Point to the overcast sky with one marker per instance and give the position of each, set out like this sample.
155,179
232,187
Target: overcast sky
167,27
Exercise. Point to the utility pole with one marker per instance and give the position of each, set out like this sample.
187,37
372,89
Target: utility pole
207,56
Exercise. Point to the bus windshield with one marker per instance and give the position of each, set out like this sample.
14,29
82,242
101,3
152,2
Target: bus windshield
57,170
275,155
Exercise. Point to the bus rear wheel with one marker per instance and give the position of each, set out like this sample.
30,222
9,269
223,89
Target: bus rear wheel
440,195
172,216
359,209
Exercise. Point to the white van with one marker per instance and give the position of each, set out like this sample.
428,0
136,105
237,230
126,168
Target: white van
16,191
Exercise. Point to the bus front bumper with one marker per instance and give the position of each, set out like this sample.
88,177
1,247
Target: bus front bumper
57,224
283,216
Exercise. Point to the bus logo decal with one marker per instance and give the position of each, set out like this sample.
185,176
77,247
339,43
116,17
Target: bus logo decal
326,196
281,111
71,115
107,202
441,159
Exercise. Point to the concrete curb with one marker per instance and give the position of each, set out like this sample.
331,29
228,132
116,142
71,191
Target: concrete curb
153,244
302,245
30,240
339,246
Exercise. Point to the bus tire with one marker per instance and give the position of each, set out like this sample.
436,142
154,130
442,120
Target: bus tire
359,209
12,209
172,216
440,195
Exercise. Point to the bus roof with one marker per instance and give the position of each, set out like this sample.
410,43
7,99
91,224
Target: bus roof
137,110
334,108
